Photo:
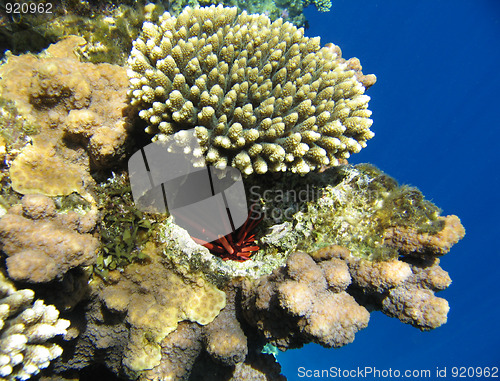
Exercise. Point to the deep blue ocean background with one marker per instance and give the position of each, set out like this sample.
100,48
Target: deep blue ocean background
436,109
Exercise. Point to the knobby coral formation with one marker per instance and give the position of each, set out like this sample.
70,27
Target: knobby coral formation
68,101
400,288
304,302
320,296
261,96
42,244
25,331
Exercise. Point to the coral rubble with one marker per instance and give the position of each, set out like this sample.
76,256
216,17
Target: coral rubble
25,330
261,96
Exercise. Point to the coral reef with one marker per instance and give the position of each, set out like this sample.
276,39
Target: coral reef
42,244
25,330
145,300
70,103
155,299
358,207
109,28
147,321
304,302
184,354
261,96
321,297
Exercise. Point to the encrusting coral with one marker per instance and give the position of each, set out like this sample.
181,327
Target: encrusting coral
42,244
410,241
222,345
25,330
260,96
39,170
69,101
156,299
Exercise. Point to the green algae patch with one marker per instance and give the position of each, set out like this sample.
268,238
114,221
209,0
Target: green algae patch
123,229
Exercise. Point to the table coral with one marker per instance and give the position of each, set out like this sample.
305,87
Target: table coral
261,96
42,244
25,330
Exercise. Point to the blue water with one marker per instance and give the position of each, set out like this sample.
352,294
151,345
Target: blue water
435,110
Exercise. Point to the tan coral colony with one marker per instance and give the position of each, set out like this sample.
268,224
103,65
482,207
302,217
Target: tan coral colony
261,96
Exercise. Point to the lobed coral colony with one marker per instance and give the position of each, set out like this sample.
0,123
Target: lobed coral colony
326,243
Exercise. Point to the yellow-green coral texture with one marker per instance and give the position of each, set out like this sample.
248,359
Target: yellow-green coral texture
156,299
260,95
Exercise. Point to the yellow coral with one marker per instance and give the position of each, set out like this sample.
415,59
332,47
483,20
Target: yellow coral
58,93
260,95
38,169
156,300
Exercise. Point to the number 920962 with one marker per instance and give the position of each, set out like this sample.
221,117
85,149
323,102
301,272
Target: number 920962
29,7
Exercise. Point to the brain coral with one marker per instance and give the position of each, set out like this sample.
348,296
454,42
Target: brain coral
261,96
